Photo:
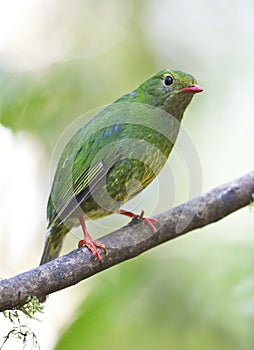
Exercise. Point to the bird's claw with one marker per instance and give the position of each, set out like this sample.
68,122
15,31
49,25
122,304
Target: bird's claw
137,217
92,246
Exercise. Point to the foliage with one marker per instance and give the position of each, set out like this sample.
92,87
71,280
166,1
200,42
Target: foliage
20,330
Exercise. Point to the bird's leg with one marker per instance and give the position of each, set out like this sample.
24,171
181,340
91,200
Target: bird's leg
148,221
88,241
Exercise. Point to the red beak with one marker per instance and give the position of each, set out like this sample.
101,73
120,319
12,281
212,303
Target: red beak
193,88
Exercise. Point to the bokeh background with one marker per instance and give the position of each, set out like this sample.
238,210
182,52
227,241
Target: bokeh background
61,59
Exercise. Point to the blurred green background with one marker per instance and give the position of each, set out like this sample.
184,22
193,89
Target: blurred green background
59,60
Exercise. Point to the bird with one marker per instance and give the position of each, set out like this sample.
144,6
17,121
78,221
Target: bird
115,156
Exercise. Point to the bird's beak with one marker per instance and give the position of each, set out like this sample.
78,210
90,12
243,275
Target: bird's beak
193,88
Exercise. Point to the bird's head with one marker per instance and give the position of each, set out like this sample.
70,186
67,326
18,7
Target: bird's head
171,90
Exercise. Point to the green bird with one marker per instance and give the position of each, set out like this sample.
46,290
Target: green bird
115,156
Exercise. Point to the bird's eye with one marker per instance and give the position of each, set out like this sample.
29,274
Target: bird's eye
168,80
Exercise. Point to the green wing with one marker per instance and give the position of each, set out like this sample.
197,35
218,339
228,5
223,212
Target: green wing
83,164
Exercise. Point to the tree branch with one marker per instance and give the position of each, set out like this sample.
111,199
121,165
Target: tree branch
127,243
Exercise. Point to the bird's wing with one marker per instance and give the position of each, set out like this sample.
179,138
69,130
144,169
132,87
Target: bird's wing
82,166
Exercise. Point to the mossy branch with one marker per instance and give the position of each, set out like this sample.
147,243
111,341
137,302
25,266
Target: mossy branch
127,243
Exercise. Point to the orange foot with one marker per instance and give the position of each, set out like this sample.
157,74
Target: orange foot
89,242
148,221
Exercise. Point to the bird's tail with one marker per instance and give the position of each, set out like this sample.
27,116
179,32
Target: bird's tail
53,244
